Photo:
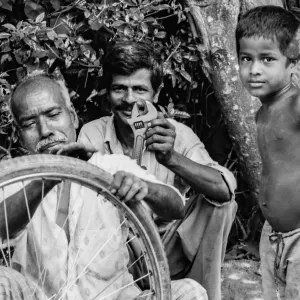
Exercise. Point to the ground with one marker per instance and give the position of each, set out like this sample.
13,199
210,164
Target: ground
241,281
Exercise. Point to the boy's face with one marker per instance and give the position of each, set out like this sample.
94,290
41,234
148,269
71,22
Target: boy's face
264,70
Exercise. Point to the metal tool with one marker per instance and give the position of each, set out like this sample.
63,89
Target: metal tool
142,113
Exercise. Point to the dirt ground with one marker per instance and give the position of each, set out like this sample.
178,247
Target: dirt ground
240,280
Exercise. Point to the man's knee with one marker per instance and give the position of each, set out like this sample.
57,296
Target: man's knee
187,289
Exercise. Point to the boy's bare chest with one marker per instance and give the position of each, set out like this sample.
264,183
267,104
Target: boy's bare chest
277,124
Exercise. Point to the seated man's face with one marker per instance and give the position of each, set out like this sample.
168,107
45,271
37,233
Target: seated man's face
43,118
126,90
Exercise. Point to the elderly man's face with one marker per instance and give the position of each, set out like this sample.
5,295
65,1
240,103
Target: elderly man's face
43,118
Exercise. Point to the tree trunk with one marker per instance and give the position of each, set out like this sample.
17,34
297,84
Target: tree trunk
215,22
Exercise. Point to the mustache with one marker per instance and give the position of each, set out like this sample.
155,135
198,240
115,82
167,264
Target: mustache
44,144
124,106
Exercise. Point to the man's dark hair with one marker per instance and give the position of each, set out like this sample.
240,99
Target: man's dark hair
126,57
269,22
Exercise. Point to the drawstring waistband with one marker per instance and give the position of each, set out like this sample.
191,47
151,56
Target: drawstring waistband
278,239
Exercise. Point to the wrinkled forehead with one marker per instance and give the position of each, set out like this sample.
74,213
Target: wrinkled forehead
34,89
32,96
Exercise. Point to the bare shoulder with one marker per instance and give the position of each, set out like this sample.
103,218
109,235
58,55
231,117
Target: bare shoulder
295,100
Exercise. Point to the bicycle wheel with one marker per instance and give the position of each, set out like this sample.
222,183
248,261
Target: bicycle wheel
83,176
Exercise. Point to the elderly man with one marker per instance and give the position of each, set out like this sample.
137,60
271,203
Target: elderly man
176,156
47,123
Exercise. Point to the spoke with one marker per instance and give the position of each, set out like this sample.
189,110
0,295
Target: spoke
76,260
131,239
138,259
59,197
29,219
43,273
125,286
7,231
97,253
145,295
3,255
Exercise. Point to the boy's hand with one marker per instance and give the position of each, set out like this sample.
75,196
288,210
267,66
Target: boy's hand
160,138
75,149
128,187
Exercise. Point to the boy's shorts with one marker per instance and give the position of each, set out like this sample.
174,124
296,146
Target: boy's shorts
280,264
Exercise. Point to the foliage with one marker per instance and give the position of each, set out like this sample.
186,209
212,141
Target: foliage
71,37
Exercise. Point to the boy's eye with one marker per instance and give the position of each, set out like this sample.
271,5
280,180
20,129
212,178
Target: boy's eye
245,58
268,59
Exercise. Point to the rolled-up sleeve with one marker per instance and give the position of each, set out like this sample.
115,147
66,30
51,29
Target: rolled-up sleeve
191,147
112,163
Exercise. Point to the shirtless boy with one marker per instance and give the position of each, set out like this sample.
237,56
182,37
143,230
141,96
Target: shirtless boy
268,50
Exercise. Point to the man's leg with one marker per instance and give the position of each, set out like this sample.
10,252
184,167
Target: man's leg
200,242
183,289
14,286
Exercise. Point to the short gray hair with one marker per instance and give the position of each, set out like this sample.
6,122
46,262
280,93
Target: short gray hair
39,76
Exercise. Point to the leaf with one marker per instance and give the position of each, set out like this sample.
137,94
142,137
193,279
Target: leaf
51,35
185,75
9,26
5,46
68,62
55,4
95,25
128,31
4,35
6,4
160,34
40,17
32,9
117,23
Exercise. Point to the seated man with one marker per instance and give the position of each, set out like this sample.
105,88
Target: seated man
60,237
176,156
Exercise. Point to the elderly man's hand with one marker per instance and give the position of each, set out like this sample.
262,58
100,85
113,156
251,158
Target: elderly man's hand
75,149
127,186
160,138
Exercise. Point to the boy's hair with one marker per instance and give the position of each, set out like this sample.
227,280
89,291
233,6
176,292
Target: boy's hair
269,22
126,57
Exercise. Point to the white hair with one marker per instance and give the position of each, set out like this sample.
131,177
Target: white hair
38,76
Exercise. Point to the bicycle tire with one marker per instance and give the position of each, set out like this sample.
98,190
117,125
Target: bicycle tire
63,167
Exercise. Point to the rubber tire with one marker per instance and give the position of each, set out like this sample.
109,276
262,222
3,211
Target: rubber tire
63,167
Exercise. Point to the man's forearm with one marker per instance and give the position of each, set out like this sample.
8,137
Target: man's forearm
202,179
164,201
15,209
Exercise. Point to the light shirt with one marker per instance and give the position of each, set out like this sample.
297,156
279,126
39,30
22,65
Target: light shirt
101,134
95,255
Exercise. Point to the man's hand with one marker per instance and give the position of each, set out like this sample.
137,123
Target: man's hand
128,187
160,138
75,149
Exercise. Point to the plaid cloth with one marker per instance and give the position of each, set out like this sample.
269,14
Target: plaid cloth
183,289
14,286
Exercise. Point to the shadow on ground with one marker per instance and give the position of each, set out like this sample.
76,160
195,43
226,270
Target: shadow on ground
240,280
